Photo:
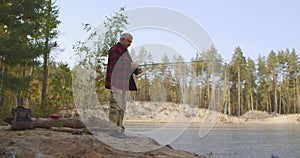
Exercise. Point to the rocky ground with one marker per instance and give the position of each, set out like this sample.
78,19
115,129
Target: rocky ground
45,143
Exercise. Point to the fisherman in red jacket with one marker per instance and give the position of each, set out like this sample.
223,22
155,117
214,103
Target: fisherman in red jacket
119,79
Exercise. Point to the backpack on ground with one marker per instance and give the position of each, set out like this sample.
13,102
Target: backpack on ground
21,118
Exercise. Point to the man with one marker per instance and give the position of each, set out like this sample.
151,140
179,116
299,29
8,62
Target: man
119,79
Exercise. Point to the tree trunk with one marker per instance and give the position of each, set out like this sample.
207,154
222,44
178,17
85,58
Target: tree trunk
225,108
251,100
288,102
267,102
280,101
45,78
213,90
295,96
208,89
1,86
19,97
270,102
239,91
46,59
297,91
275,92
229,109
28,98
201,95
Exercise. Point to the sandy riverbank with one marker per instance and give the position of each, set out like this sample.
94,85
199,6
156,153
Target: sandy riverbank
170,112
44,143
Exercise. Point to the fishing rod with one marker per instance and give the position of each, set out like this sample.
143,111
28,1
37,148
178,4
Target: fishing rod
174,63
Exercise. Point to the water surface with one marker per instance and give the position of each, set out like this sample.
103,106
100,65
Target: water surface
235,140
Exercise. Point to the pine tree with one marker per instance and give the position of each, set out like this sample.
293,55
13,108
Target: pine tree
49,32
60,93
227,104
200,66
293,69
282,58
168,79
20,44
272,72
238,67
250,84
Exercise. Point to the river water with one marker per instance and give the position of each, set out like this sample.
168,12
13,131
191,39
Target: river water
234,140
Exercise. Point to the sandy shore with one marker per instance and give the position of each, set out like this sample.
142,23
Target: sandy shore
158,112
204,115
44,143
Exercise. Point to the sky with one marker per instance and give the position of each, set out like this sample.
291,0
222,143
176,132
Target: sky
256,26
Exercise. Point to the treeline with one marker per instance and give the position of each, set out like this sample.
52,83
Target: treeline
270,84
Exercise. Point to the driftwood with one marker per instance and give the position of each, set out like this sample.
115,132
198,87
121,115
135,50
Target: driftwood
71,130
71,125
63,129
61,122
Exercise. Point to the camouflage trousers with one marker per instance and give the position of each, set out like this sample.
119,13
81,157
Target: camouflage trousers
117,108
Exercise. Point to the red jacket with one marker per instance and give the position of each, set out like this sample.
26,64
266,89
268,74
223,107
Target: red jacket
119,72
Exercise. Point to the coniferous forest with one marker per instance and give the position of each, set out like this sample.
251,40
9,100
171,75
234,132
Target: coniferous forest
29,77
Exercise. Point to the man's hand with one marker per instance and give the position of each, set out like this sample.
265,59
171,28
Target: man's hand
134,65
139,71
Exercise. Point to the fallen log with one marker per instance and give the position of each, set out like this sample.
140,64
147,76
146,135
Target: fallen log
61,122
66,122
